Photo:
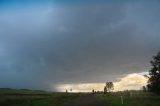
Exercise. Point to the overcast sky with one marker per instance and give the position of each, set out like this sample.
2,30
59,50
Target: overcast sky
50,42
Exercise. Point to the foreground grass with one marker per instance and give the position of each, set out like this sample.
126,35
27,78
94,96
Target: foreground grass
134,98
114,100
34,98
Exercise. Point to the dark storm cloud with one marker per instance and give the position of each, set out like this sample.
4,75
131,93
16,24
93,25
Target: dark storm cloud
46,46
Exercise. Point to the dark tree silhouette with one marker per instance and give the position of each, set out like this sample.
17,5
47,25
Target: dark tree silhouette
93,91
144,88
109,86
66,91
71,90
154,79
105,90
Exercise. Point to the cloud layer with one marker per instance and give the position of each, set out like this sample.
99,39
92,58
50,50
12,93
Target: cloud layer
43,46
133,81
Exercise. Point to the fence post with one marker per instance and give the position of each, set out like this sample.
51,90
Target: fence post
122,100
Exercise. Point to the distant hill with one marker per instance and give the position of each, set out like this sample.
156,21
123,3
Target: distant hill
21,91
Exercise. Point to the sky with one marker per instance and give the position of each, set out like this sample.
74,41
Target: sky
57,44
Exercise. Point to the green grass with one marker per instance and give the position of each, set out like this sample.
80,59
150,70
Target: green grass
114,100
53,100
10,97
33,98
135,98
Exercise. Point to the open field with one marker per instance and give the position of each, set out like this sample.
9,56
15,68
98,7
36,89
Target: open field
10,97
133,98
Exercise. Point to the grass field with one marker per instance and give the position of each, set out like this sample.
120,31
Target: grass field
133,98
10,97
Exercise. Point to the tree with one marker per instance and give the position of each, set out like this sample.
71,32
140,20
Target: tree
109,86
93,91
105,90
154,79
144,89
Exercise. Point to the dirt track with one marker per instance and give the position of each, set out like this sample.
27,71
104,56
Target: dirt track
87,100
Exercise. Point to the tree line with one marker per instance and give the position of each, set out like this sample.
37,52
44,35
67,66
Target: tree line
154,75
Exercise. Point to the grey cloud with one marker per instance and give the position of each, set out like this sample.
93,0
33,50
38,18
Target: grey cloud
72,44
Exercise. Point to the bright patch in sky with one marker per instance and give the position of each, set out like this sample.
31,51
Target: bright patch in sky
133,81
